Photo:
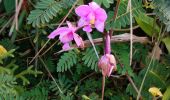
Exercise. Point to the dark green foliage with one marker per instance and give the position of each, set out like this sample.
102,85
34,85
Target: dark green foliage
121,51
162,11
50,64
8,44
67,61
38,93
63,82
47,10
7,84
74,74
9,5
157,77
123,17
90,59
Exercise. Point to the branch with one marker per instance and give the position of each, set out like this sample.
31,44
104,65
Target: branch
116,38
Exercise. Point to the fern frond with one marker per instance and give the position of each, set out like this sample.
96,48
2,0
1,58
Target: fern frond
47,10
7,84
162,11
38,93
29,70
67,61
122,19
50,64
90,59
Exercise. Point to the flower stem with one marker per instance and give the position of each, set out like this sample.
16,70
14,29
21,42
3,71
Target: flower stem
107,44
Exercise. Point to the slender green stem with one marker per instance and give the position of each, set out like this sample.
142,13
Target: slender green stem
159,39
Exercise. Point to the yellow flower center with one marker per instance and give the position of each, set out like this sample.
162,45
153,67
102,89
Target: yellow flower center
92,21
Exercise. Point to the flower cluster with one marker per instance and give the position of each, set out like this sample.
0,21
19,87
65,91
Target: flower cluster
66,35
91,16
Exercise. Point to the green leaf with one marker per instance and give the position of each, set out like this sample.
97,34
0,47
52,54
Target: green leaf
122,19
9,5
67,61
46,10
147,24
166,95
106,3
167,43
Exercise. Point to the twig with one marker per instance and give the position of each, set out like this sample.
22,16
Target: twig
115,15
57,28
116,38
86,77
131,31
6,24
49,48
47,69
51,75
23,38
131,81
17,10
129,78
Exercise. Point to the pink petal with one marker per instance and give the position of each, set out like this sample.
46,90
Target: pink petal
71,26
83,10
66,46
67,37
61,30
94,5
109,69
100,14
87,28
78,40
91,16
82,22
99,25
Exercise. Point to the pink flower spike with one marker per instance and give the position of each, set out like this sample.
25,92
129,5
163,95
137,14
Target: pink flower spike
91,15
66,35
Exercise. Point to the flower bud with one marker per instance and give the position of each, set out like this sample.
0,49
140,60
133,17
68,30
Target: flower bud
107,63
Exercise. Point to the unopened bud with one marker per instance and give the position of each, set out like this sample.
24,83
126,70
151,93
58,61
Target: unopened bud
107,63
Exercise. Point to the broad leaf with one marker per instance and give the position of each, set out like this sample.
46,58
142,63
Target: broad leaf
9,5
167,43
147,24
166,95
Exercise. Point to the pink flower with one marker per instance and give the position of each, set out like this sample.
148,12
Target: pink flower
91,16
67,34
107,63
